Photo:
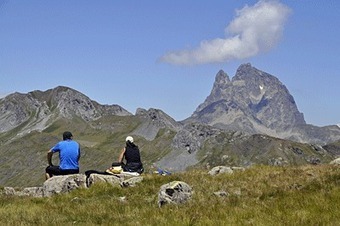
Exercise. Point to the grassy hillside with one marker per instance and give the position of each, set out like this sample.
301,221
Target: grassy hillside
262,195
23,159
226,149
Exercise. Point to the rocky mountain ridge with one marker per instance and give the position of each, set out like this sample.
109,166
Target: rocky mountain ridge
256,102
250,119
36,110
253,102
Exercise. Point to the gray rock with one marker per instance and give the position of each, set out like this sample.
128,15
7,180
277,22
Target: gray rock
30,191
221,193
114,180
63,184
9,191
220,169
175,192
131,182
237,168
277,162
33,192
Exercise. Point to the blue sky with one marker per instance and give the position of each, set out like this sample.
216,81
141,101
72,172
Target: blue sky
165,54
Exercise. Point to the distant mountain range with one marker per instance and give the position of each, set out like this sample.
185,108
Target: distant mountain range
249,119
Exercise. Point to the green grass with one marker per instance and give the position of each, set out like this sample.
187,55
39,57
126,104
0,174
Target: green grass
261,195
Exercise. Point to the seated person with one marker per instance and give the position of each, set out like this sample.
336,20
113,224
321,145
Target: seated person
69,154
131,154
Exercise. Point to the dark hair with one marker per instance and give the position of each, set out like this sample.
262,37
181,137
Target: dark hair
130,144
67,135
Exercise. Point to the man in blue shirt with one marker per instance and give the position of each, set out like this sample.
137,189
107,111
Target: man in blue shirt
69,154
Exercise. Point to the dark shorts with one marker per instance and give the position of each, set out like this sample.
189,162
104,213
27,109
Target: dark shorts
133,167
55,170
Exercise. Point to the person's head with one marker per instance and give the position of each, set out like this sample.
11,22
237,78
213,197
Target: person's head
129,142
67,135
129,139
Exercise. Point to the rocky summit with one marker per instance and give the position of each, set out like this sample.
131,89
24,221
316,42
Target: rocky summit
254,102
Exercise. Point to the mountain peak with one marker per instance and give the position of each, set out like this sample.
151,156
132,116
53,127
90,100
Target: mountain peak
249,73
245,66
245,70
254,102
221,79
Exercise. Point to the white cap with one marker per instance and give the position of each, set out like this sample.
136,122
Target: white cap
129,138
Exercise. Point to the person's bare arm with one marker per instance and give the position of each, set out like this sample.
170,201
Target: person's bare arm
49,157
121,156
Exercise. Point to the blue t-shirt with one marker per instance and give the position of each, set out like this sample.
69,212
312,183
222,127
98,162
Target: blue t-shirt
69,153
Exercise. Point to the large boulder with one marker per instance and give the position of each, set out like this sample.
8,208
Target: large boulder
175,192
63,184
123,179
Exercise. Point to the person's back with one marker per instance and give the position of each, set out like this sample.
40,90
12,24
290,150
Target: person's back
68,154
132,154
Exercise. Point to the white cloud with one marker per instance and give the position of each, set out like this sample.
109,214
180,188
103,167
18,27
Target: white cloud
254,29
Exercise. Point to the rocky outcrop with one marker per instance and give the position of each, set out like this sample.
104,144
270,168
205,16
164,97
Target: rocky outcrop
99,178
17,108
193,136
152,121
185,145
65,184
225,169
30,191
175,192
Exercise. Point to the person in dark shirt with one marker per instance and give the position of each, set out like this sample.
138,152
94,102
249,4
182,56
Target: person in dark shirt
131,154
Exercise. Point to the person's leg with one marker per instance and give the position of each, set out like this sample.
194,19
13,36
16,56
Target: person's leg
50,171
69,171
